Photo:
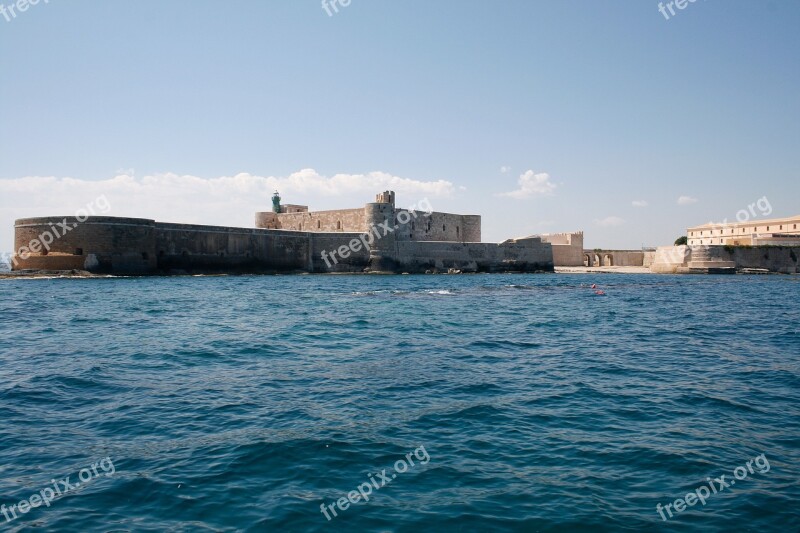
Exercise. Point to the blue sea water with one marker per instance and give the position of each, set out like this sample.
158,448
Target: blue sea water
246,403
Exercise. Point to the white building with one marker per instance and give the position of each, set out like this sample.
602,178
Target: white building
775,232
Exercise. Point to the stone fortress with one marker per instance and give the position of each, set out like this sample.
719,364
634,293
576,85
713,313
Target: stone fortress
424,225
378,237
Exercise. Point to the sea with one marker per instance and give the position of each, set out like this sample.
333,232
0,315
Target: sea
405,403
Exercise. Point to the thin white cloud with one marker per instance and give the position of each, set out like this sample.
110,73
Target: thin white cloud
226,200
532,184
609,222
505,169
639,203
686,200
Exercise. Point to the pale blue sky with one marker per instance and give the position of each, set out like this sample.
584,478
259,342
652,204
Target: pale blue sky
612,101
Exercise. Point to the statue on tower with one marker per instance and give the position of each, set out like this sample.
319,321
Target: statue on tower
276,203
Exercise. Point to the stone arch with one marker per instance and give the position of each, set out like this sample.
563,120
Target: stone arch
596,261
608,260
587,260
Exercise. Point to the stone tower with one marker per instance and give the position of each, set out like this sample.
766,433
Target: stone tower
383,249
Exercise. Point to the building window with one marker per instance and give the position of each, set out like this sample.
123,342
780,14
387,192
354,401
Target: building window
767,228
319,224
145,256
78,251
339,224
443,228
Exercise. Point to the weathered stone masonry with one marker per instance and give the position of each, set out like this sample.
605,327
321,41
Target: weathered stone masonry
143,246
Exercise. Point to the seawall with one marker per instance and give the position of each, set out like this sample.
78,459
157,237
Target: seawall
704,258
143,246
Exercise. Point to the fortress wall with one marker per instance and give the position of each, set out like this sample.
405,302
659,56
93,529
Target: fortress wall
523,255
438,226
50,262
558,238
472,228
99,244
601,258
668,259
356,261
567,248
344,220
188,247
140,246
783,259
627,258
267,220
566,255
422,227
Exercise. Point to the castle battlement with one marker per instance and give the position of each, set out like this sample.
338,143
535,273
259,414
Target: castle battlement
434,226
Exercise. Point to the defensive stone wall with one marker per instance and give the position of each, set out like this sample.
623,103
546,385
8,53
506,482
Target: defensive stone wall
141,246
688,259
606,258
408,225
438,226
208,248
520,255
102,244
567,248
782,259
344,220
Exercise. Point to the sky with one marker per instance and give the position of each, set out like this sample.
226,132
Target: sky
542,116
